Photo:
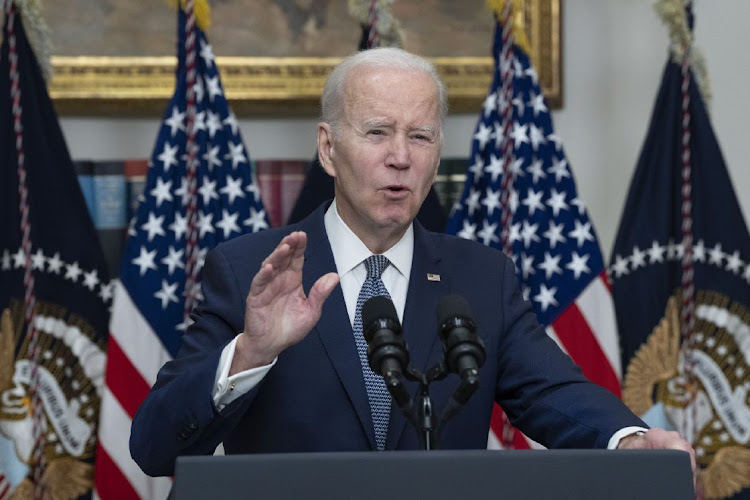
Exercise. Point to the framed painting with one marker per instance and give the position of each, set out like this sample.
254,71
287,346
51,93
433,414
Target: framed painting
116,57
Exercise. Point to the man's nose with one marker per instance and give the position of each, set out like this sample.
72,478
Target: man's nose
400,155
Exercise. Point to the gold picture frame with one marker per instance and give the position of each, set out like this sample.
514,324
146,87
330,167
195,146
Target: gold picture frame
285,86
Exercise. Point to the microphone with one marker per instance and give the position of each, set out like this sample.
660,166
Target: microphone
386,348
464,350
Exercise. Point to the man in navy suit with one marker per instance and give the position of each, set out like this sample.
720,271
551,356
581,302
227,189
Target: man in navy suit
271,363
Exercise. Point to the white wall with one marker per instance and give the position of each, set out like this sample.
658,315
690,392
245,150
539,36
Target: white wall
614,54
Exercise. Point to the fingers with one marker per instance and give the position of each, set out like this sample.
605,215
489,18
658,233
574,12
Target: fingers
669,440
289,254
321,290
290,248
297,258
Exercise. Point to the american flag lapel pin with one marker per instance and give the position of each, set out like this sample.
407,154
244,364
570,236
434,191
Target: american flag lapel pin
433,277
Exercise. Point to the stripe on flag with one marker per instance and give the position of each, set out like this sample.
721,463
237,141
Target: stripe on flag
581,344
598,308
135,337
117,485
124,380
114,440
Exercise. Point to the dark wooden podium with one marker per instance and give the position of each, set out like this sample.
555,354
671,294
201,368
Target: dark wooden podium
439,475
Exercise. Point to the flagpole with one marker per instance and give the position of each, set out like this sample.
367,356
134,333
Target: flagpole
191,242
687,311
38,461
506,69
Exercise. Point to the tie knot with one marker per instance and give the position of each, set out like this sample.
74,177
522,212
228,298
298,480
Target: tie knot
375,265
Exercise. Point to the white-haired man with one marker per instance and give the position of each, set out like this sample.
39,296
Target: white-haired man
274,361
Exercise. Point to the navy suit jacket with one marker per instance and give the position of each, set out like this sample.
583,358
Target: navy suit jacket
314,398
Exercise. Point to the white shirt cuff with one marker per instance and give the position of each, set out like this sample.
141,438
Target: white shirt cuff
226,388
614,441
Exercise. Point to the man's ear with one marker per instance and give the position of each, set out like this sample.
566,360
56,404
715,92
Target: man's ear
435,173
325,148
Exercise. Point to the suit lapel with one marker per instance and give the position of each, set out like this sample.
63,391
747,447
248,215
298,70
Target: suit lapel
420,318
334,328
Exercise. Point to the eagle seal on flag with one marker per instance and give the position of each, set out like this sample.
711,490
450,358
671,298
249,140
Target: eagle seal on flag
71,408
655,384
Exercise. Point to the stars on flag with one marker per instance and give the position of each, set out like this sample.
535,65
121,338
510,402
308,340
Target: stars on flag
228,223
168,156
663,253
166,293
162,191
154,226
174,260
145,261
37,260
227,199
236,153
72,271
175,123
55,265
257,220
232,189
554,246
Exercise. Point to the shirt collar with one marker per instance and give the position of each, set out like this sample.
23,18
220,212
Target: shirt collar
349,251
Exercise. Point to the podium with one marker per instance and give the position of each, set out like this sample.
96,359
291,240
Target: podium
439,475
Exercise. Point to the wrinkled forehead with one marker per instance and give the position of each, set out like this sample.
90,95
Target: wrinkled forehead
381,86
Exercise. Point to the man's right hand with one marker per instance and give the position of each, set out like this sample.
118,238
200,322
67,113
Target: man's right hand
277,312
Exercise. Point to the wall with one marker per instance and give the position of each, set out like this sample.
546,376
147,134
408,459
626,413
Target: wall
614,54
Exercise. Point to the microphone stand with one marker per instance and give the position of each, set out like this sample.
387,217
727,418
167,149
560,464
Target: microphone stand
422,415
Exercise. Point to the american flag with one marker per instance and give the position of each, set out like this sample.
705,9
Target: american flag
550,237
148,317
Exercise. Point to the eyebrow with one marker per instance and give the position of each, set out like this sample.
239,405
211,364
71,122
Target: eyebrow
378,124
387,124
425,128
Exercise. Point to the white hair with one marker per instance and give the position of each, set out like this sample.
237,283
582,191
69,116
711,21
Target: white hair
332,100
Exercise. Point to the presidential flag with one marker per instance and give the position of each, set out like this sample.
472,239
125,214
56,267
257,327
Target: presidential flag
200,191
520,197
54,289
680,272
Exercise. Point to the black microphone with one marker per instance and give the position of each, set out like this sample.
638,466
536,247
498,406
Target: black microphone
464,350
386,348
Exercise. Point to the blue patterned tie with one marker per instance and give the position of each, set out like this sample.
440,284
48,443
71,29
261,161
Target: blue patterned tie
380,399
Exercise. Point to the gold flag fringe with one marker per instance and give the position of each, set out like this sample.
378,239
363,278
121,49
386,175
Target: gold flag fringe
202,12
672,13
519,13
387,26
37,32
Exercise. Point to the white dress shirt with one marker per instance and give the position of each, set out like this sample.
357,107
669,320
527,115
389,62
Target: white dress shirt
349,254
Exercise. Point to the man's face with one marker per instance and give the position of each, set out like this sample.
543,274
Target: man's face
385,154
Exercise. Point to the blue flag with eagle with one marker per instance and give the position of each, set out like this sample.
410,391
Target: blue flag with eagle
687,356
549,235
149,314
54,290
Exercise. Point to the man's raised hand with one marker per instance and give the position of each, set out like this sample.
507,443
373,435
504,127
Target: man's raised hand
277,312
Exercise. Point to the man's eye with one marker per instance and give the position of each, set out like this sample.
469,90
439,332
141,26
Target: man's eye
376,132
